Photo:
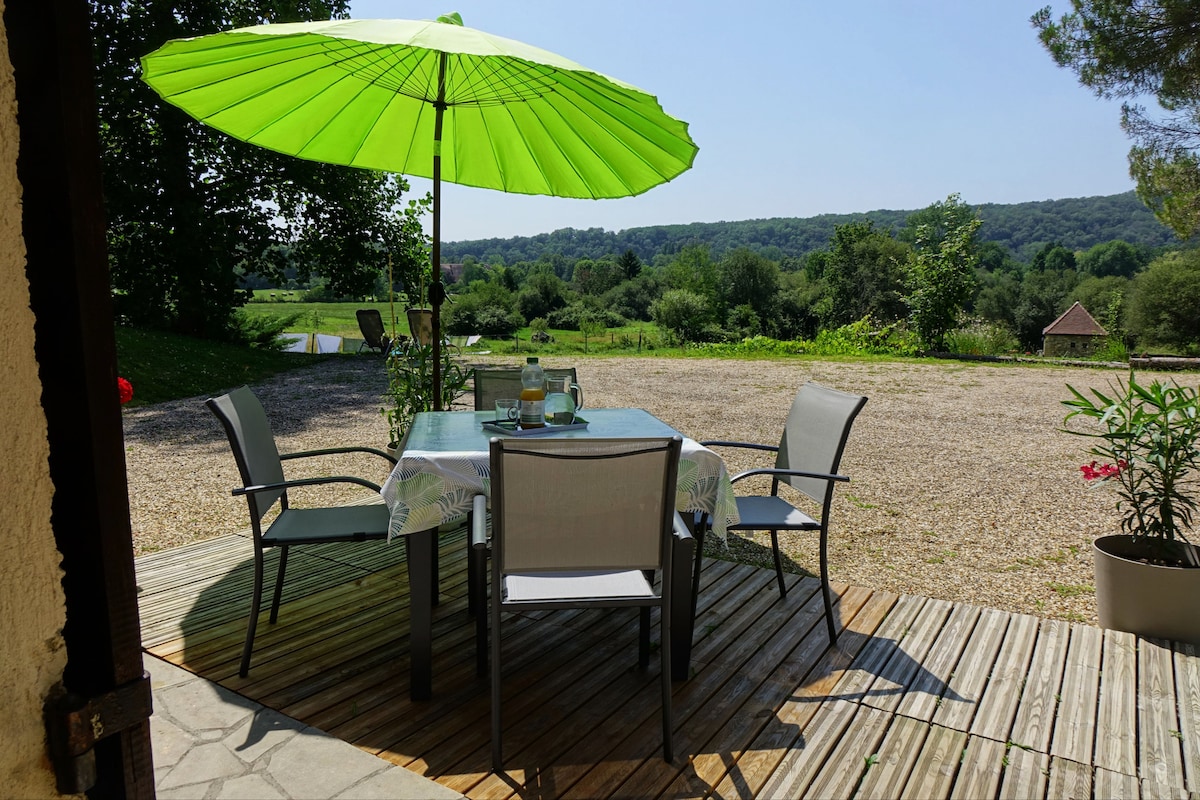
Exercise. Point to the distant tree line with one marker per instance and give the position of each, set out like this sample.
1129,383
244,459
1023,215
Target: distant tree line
928,278
1021,228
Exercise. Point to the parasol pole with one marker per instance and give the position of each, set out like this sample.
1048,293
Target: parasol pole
391,295
436,290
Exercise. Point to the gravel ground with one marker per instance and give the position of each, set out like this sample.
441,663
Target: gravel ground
963,486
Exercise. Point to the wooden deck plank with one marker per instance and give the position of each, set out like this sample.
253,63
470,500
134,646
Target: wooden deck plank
801,764
905,664
1114,786
896,756
1116,749
769,707
1069,780
1075,728
1035,718
1160,760
629,730
1002,693
925,692
937,764
847,761
981,769
745,776
970,676
1156,791
784,661
1024,775
857,680
1187,693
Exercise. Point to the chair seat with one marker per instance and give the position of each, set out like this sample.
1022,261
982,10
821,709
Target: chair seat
530,587
771,514
314,525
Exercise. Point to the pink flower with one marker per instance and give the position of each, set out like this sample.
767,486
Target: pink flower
1091,472
124,390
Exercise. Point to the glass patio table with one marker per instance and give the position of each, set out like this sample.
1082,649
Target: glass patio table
444,464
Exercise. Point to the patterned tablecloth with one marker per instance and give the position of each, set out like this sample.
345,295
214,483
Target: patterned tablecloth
445,463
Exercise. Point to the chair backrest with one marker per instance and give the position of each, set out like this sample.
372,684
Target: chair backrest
561,505
815,435
252,442
493,384
370,323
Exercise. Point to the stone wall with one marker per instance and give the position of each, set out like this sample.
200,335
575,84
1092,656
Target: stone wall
1060,346
32,611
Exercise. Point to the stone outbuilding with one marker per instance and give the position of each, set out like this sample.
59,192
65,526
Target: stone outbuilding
1074,334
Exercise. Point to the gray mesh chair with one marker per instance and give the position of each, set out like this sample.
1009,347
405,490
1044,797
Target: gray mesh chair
499,382
263,484
491,385
581,523
807,459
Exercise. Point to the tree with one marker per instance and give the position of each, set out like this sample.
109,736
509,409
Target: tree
863,274
749,279
1124,49
542,293
1115,258
1164,308
629,265
187,205
941,272
999,294
682,312
1053,257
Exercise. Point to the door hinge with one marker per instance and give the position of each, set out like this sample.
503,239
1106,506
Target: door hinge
74,724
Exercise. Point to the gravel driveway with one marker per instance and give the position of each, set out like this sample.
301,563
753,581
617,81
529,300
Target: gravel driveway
962,485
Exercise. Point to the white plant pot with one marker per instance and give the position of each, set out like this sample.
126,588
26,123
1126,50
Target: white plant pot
1146,599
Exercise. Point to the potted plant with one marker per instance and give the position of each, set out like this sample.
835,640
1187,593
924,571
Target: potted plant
410,387
1148,576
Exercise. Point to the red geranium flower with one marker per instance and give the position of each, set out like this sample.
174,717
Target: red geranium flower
124,390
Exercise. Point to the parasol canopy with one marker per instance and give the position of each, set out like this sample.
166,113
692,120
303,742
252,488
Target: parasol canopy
429,98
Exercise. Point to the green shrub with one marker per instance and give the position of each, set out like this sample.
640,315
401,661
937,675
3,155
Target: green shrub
261,330
981,338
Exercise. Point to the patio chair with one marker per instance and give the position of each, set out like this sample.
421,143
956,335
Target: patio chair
491,385
370,323
497,382
808,457
581,523
263,483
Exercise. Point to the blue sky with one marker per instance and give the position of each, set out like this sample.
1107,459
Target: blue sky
802,107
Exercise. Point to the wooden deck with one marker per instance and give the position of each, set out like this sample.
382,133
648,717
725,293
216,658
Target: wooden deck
922,698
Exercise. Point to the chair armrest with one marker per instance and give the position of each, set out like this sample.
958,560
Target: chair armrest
790,473
682,531
479,523
332,450
271,487
774,448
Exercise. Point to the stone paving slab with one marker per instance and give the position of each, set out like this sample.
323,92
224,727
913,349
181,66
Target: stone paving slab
209,742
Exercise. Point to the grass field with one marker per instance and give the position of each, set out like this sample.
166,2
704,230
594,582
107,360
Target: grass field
165,366
338,319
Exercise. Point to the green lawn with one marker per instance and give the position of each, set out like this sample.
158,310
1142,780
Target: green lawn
166,366
338,319
333,318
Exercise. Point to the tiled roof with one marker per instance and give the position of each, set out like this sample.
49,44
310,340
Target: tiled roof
1075,321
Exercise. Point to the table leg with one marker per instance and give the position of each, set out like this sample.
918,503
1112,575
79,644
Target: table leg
422,546
682,621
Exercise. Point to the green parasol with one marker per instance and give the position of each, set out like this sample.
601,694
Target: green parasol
430,98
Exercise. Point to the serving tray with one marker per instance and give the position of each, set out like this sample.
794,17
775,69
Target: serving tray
511,428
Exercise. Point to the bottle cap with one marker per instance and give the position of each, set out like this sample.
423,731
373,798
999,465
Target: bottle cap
531,360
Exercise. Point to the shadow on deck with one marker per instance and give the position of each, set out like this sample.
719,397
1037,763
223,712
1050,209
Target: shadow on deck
921,697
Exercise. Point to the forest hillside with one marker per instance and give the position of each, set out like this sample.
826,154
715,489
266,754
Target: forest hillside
1022,228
